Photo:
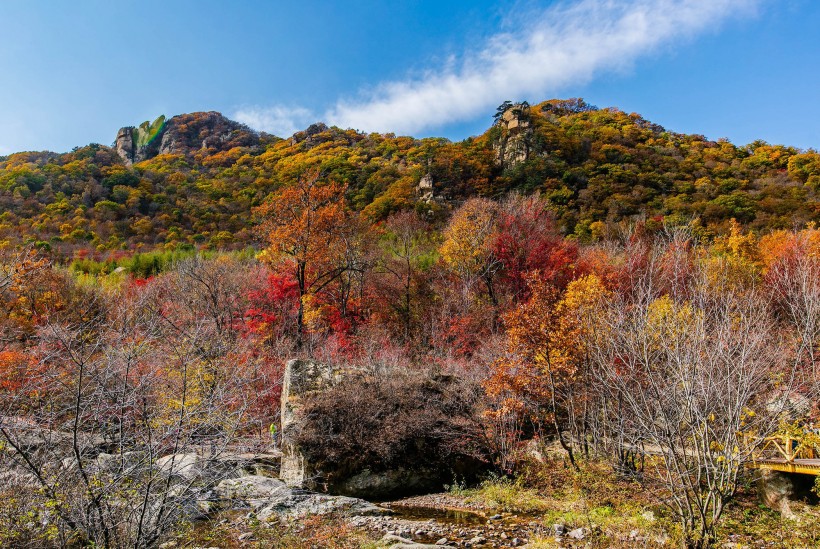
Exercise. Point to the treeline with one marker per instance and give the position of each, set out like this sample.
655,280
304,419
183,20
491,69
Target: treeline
596,168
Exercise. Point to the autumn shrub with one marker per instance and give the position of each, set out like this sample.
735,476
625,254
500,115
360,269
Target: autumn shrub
24,523
409,421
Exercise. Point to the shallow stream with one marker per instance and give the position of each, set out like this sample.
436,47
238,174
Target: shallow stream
443,516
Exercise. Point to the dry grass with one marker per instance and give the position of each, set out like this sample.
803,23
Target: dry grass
307,533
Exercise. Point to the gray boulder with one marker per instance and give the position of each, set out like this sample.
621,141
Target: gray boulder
186,466
297,504
397,542
382,484
254,490
776,490
272,499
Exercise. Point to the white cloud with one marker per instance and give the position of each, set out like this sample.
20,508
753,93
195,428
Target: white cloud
548,51
561,46
278,120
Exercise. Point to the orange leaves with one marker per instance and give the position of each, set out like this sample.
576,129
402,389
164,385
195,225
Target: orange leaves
546,342
309,223
14,370
302,220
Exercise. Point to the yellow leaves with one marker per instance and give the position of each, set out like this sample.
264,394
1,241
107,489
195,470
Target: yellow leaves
582,296
735,260
546,339
668,321
266,256
314,313
465,246
187,387
739,244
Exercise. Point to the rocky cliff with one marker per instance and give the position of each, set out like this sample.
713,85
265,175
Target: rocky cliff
513,147
186,134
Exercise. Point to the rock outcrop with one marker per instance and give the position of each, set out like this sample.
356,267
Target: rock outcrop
311,136
185,134
270,498
778,490
302,377
332,418
425,189
513,146
135,144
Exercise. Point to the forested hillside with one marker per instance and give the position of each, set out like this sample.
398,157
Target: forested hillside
192,181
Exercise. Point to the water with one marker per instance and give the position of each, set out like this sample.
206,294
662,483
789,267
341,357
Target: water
442,516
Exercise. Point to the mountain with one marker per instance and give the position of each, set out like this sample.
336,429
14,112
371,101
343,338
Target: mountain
192,180
208,132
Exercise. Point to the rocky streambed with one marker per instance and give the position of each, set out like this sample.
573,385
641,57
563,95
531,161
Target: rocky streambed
438,519
447,528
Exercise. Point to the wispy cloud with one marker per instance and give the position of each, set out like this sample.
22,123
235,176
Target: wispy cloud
278,120
551,50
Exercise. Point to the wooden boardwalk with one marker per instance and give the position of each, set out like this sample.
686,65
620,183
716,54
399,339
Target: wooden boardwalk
789,453
802,466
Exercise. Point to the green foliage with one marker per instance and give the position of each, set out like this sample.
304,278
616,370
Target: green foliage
147,132
145,265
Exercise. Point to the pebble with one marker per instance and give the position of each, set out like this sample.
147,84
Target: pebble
496,531
578,533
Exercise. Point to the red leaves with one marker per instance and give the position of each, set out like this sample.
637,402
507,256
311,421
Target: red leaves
525,239
276,301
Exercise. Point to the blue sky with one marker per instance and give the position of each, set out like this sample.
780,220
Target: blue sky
74,72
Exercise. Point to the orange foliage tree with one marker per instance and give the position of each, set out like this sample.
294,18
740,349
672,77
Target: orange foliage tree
305,224
466,248
543,373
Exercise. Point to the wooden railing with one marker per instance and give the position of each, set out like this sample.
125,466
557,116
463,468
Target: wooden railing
790,451
790,447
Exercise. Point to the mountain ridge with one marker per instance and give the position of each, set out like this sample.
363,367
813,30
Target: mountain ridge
193,180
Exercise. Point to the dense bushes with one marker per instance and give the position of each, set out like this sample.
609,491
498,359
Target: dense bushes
409,421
